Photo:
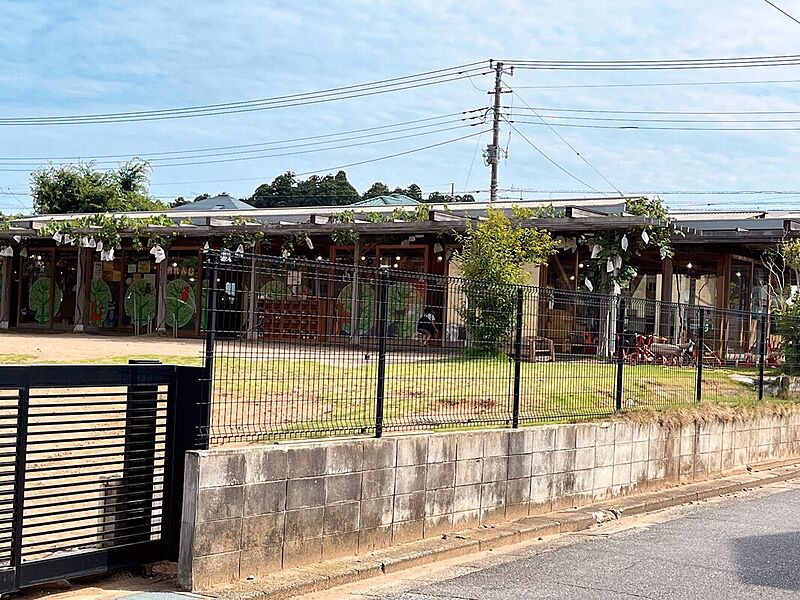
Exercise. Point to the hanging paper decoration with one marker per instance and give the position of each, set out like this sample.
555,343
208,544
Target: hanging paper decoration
609,266
645,237
57,237
663,253
158,253
624,242
588,284
285,254
596,250
309,244
23,252
617,289
18,239
68,239
225,256
107,255
205,247
7,251
240,251
617,262
98,247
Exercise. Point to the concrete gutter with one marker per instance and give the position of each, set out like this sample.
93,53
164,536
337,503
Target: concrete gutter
305,580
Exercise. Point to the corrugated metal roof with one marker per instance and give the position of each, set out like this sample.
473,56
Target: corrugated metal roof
390,200
221,202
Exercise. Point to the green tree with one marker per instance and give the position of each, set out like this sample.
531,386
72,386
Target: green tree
286,190
492,258
81,188
412,191
438,197
376,189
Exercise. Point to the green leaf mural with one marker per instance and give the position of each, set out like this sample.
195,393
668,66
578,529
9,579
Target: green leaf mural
404,306
180,303
39,299
273,290
99,301
344,303
140,302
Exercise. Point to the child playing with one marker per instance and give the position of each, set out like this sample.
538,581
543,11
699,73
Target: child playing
426,327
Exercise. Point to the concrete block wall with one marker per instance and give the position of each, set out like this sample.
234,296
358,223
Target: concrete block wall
253,510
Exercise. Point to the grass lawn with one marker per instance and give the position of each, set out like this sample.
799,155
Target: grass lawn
288,397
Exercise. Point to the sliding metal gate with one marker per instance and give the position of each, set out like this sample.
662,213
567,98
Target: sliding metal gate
91,467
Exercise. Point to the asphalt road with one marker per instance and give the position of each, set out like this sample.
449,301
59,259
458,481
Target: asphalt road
747,547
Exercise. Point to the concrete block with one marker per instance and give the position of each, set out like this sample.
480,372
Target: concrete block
468,519
493,515
467,497
495,443
307,461
214,504
341,518
541,488
604,456
493,494
380,454
370,540
623,452
543,439
585,435
542,463
436,526
304,524
441,448
469,446
266,464
566,437
640,432
584,458
603,478
520,441
439,502
605,434
302,552
408,531
221,470
469,471
263,530
495,468
440,475
518,491
584,481
217,537
640,451
342,488
377,483
410,479
302,493
623,433
409,507
622,474
563,485
639,473
563,461
728,459
517,511
412,450
208,571
519,466
262,498
656,469
340,546
257,562
345,457
376,512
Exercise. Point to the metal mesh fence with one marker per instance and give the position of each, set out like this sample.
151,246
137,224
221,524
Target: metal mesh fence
313,348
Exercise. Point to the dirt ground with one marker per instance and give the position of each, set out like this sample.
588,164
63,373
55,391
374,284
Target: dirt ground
31,348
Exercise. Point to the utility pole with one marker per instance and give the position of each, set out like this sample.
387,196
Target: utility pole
493,150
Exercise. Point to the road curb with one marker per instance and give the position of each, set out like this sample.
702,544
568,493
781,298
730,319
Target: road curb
305,580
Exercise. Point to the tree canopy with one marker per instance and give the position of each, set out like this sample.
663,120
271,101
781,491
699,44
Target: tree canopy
83,189
287,190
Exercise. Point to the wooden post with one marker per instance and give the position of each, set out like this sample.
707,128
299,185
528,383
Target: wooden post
5,292
252,329
666,298
83,276
161,296
355,337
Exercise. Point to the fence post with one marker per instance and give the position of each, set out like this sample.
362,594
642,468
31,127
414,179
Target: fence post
211,336
620,341
383,289
762,353
517,361
700,350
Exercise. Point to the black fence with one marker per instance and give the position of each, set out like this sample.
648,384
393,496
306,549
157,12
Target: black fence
314,348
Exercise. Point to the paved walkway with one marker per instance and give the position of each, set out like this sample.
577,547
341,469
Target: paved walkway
739,548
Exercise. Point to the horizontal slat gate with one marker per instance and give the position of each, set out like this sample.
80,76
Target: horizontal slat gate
86,468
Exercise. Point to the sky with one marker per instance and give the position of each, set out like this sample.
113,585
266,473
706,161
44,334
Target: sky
68,57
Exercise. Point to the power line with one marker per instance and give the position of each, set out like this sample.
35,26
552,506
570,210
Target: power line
540,151
632,120
667,112
571,147
668,64
778,8
41,159
654,84
190,162
666,128
341,93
